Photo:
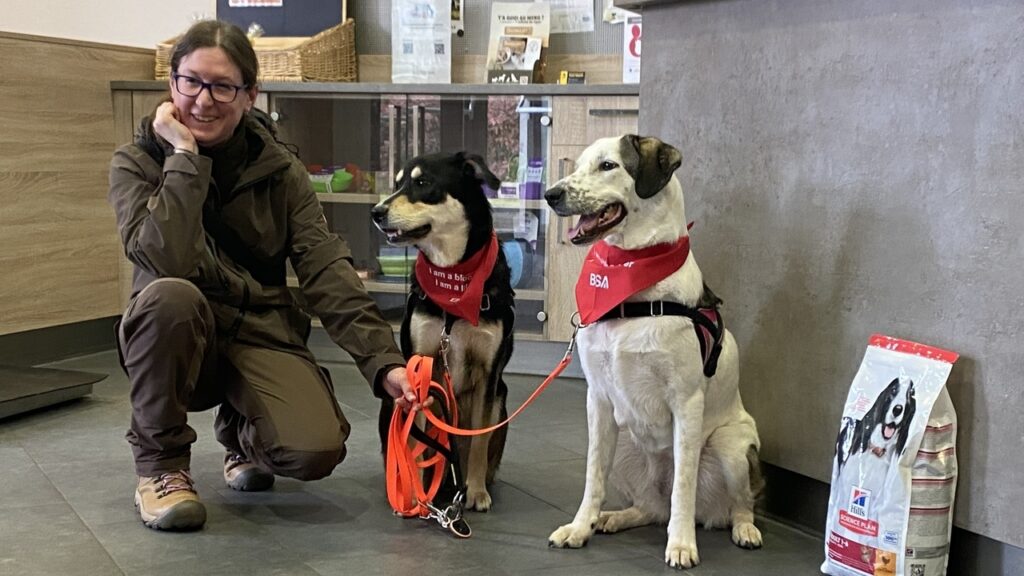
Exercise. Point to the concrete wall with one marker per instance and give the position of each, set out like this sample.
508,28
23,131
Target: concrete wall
857,166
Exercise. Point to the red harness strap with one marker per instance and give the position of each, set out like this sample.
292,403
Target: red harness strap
405,456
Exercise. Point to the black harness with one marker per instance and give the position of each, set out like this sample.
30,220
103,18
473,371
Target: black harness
706,317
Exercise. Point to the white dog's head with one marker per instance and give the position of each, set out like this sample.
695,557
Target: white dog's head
624,191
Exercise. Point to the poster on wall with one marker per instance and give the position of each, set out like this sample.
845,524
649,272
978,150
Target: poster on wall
632,30
421,41
569,16
518,42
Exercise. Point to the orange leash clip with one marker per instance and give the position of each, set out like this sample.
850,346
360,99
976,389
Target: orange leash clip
406,458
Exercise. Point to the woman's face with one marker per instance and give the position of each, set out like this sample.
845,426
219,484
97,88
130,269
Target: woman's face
210,121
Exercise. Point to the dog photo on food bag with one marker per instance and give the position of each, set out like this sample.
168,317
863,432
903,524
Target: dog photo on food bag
881,435
461,286
664,412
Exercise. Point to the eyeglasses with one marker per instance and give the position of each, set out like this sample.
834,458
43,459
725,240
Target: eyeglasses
193,87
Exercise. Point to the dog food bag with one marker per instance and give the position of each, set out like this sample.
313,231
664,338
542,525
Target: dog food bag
890,510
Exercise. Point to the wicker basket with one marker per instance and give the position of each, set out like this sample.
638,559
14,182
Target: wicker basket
330,56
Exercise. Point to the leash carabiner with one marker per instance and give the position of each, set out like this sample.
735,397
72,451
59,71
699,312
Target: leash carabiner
576,325
450,517
446,342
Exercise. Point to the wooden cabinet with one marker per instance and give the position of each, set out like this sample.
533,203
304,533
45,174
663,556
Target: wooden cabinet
529,135
578,121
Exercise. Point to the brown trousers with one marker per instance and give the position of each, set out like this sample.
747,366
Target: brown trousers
276,408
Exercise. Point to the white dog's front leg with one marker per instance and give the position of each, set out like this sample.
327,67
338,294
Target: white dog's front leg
603,434
687,425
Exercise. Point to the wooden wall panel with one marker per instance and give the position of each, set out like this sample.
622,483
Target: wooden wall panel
60,260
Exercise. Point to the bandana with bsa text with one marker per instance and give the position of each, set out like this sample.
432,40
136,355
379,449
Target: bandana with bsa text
458,289
610,275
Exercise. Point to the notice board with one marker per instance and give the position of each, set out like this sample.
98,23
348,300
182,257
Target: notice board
291,18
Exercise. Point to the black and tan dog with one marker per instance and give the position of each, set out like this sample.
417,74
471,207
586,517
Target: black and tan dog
462,287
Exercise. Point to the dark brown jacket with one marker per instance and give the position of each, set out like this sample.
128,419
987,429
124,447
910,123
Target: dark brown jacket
233,245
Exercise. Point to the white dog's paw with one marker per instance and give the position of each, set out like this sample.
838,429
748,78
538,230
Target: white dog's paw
570,536
478,499
681,554
746,535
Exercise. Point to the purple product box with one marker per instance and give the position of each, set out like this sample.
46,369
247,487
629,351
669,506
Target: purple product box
533,187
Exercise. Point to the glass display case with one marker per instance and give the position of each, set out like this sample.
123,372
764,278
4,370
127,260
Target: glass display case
353,144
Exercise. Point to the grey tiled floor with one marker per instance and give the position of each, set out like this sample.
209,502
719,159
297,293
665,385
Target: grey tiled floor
66,485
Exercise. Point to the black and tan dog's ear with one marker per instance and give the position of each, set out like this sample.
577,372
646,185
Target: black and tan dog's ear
656,162
478,167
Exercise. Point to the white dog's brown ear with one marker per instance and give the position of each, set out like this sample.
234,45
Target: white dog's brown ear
478,166
655,163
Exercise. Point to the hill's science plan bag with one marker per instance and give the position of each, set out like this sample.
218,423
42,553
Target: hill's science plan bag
890,509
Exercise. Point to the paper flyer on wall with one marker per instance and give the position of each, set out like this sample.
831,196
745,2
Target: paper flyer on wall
631,32
421,41
518,41
569,16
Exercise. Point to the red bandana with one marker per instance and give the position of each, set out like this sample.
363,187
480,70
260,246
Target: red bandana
610,275
458,289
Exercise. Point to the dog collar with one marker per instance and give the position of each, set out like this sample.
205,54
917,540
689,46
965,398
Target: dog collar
458,289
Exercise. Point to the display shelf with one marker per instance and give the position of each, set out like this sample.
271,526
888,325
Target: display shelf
347,198
352,198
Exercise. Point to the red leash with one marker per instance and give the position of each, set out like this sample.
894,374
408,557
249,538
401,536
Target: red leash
405,456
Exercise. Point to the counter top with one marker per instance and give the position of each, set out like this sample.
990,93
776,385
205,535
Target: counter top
637,4
435,89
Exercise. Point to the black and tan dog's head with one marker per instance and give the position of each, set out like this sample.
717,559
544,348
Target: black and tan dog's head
617,180
439,206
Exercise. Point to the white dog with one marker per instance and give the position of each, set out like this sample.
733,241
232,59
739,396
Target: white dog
688,452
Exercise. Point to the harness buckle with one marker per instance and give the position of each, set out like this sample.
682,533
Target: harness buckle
661,308
485,303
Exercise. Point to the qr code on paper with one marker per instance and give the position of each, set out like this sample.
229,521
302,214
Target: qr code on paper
917,570
406,47
439,49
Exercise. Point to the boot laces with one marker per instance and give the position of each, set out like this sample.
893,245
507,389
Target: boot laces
171,482
234,461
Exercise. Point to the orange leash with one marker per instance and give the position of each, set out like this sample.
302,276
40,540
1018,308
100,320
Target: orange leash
406,458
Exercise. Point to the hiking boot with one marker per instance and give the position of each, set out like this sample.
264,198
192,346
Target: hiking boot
169,502
240,474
